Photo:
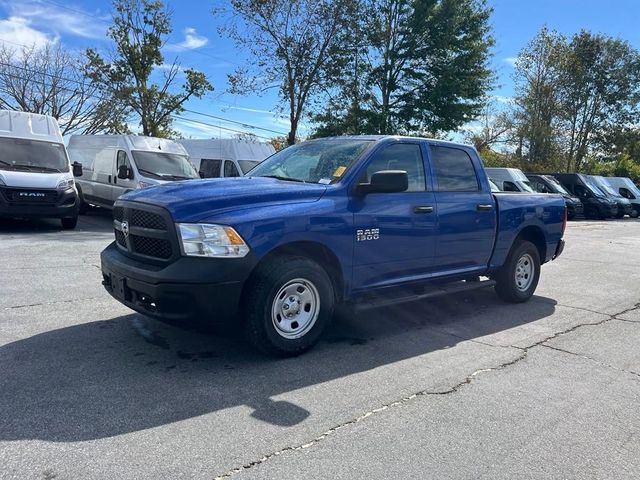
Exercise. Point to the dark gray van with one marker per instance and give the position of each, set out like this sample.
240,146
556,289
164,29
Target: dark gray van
548,184
596,203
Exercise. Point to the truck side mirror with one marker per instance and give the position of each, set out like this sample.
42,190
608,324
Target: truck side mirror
385,181
76,169
124,172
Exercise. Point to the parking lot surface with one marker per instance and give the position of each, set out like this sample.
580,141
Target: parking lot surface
462,386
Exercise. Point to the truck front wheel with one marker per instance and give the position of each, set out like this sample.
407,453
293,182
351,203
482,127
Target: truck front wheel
518,278
288,303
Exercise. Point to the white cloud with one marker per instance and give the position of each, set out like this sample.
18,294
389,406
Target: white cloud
191,41
510,60
16,32
69,20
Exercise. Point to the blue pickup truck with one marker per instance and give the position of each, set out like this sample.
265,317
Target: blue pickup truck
361,220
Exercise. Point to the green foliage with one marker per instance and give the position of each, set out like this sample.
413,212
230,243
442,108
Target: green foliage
297,46
572,94
139,30
414,66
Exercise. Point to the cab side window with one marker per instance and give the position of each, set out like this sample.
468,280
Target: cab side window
540,187
210,168
454,170
401,156
230,169
122,159
626,193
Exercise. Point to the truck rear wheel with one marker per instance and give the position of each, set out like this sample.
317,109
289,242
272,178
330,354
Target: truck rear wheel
288,303
518,278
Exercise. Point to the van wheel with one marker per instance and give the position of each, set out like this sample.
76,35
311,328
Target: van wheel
518,277
69,223
288,303
634,213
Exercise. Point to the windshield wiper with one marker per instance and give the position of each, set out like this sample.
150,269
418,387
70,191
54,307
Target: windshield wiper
280,177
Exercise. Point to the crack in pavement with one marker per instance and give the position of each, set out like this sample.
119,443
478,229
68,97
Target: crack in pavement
424,393
587,357
14,307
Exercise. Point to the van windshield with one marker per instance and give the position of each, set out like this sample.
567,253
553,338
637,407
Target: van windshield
32,156
606,188
164,166
315,161
593,187
555,185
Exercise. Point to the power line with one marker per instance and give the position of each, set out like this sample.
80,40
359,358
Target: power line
83,84
218,126
246,125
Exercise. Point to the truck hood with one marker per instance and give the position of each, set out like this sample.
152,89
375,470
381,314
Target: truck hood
194,200
20,179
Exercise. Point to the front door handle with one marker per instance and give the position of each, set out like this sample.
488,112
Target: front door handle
484,207
423,209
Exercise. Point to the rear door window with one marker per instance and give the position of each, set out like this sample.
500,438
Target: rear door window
454,170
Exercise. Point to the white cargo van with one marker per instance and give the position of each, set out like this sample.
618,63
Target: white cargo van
36,179
625,187
510,179
116,164
226,157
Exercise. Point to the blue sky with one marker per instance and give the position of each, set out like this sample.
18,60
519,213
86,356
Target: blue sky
195,42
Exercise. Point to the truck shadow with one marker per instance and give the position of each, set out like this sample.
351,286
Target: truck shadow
106,378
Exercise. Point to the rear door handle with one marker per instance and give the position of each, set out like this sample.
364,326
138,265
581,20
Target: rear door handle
423,209
484,207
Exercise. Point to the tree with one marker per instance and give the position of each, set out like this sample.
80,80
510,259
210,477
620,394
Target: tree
139,31
425,67
537,101
600,82
572,95
493,127
51,81
296,47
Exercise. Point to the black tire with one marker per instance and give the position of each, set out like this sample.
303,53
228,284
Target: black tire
84,206
634,213
260,302
69,223
620,215
508,287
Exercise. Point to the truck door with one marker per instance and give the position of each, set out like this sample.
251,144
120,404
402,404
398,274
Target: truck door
122,185
466,212
394,232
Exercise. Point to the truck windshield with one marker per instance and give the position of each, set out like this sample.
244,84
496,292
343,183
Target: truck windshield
167,166
315,161
32,156
247,165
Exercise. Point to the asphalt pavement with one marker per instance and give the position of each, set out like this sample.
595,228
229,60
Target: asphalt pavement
459,387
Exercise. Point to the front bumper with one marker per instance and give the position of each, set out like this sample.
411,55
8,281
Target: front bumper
64,205
574,209
190,288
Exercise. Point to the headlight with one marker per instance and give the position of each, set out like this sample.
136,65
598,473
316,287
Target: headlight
209,240
64,184
142,184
